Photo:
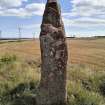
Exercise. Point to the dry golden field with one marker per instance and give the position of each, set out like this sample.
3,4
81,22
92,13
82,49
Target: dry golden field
90,52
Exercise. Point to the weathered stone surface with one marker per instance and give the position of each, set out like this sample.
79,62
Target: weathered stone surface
52,88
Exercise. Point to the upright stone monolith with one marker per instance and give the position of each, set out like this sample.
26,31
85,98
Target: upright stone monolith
52,88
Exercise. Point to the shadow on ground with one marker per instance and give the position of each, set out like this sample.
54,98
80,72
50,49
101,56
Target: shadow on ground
23,94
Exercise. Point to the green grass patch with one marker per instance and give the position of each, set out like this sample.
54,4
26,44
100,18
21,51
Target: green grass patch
19,80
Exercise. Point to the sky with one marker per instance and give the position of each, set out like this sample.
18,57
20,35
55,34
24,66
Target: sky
82,18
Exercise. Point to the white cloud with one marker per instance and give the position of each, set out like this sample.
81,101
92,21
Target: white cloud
86,14
88,2
84,22
32,26
11,3
0,7
88,7
35,8
14,12
27,11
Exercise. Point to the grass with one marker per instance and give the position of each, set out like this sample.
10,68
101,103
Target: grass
16,78
20,72
85,86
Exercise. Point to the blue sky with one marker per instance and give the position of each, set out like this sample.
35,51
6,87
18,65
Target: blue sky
81,17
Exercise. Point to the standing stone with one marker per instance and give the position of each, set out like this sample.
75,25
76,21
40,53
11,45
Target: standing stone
52,88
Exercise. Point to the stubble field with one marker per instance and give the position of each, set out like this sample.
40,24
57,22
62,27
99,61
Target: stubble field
90,52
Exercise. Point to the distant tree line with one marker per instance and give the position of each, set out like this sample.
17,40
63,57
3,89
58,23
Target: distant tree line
99,36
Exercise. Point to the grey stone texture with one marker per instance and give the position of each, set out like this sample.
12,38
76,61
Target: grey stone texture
52,88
